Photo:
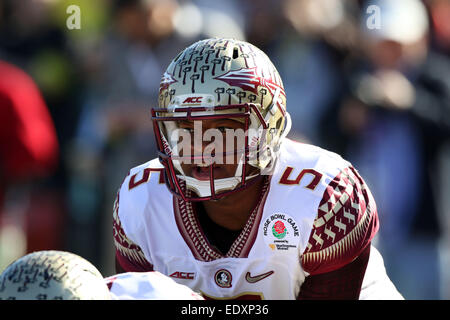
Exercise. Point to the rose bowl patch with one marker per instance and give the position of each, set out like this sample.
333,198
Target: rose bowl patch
281,232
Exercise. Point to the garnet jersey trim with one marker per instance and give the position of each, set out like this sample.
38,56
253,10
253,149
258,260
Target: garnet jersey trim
128,254
346,223
190,229
342,284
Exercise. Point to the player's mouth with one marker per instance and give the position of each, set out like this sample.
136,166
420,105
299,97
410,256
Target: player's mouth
201,173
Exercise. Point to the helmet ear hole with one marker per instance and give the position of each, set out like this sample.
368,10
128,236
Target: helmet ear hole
278,124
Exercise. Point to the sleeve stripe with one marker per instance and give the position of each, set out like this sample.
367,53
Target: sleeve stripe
345,224
340,248
125,247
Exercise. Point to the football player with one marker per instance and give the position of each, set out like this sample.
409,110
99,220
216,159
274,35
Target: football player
62,275
231,207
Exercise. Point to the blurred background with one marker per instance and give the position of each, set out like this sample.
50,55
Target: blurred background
367,79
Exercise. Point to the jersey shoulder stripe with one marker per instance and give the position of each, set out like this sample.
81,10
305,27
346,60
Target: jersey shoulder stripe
346,222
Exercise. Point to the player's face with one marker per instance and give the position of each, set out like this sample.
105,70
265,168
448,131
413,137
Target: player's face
217,144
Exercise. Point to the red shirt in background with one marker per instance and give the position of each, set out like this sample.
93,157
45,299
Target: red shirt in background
28,142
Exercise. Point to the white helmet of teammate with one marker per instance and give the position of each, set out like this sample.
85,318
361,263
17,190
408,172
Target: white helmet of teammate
221,79
52,275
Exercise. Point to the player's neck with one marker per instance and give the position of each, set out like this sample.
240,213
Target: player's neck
232,212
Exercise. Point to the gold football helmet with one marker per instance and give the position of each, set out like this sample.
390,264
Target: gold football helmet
52,275
220,79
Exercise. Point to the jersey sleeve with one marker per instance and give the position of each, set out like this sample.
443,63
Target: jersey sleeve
128,254
345,224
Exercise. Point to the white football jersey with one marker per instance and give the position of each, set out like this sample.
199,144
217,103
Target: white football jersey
150,285
316,215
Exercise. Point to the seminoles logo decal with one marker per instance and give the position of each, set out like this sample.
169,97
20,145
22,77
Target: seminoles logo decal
249,80
166,80
246,79
223,278
281,232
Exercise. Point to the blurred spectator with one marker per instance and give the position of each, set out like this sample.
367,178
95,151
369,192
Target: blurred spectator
392,123
199,19
264,23
315,49
440,40
439,11
29,153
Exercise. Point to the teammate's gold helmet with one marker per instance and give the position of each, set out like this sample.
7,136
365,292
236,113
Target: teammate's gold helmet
217,79
52,275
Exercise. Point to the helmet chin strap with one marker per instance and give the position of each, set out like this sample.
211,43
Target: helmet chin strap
203,187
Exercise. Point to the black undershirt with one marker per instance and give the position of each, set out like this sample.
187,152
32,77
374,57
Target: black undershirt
219,237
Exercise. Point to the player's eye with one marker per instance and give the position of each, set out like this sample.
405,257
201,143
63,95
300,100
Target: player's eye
187,127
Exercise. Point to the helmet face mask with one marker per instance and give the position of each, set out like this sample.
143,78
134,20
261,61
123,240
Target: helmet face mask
229,148
228,92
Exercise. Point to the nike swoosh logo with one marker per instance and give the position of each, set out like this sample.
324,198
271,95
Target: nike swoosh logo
259,277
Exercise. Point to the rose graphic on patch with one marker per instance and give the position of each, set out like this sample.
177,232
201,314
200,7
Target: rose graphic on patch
281,232
279,229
